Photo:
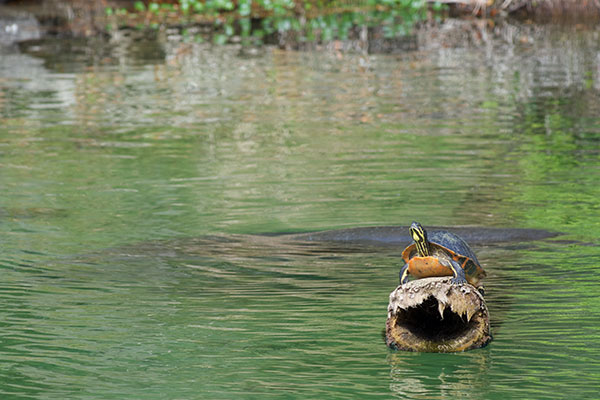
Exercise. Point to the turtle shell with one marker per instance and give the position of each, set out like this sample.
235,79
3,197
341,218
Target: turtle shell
452,246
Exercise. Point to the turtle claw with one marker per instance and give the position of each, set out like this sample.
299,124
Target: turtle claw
459,280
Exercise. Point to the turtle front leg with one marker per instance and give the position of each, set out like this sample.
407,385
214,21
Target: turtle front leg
404,274
459,273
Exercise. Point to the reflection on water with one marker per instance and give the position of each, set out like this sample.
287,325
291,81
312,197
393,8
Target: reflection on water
135,184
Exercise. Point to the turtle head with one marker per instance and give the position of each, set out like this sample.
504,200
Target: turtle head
419,236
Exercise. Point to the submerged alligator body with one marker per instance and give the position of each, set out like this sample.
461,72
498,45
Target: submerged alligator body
398,235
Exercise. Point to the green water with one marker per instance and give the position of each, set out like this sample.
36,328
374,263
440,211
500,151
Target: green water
135,178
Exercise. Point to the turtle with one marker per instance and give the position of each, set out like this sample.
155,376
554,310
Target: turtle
442,253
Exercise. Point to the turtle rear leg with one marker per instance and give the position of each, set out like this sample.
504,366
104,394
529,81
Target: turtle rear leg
459,273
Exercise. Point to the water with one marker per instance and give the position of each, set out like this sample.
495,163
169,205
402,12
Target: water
138,176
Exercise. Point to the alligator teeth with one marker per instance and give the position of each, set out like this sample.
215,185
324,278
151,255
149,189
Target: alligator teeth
470,314
441,308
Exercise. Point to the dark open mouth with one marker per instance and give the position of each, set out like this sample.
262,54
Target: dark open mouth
435,315
433,321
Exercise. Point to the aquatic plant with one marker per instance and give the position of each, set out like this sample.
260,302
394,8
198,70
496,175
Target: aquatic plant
306,20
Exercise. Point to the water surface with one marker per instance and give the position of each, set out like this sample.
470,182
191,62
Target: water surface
138,178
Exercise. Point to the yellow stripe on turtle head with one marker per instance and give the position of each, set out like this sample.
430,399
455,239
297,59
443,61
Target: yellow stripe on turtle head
419,236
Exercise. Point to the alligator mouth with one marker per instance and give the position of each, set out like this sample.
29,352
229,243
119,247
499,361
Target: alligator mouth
435,315
433,321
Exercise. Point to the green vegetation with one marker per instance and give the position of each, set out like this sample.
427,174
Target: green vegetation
305,20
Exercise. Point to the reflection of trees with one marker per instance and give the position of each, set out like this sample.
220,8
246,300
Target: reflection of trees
289,140
527,107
